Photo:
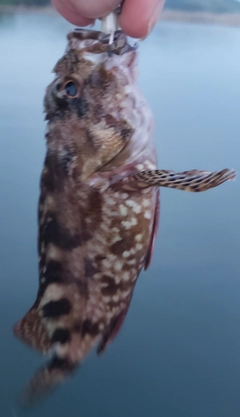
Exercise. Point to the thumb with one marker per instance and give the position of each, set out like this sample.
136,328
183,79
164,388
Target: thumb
139,17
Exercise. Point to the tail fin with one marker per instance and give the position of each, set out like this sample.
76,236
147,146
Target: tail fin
47,379
32,330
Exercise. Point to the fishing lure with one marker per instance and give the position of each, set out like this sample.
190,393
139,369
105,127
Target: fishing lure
99,202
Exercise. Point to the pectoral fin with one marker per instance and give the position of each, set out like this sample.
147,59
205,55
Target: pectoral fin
194,180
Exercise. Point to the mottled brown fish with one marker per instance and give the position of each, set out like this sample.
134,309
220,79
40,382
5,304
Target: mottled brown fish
99,202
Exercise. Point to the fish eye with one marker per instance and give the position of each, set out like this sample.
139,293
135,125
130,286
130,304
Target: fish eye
70,89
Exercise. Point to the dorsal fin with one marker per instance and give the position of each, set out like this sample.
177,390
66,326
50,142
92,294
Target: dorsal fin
32,331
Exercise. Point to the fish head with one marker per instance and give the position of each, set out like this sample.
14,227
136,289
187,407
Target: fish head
92,106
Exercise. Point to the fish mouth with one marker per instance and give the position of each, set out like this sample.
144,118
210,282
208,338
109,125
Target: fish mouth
98,42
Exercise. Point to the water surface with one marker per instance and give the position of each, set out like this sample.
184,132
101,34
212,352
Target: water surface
177,354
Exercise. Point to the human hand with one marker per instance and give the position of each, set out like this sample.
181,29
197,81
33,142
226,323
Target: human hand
137,19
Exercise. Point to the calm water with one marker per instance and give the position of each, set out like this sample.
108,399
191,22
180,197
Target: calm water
178,352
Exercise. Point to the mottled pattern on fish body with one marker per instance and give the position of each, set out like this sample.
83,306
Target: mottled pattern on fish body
99,202
94,237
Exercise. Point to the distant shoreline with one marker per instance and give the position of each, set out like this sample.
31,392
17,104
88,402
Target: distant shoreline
224,19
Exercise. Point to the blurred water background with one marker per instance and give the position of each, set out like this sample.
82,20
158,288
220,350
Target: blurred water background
177,354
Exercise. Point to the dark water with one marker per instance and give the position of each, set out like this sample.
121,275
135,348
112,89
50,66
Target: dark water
178,352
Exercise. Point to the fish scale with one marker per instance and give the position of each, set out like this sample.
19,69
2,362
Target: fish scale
99,203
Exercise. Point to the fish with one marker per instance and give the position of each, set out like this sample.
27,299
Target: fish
99,204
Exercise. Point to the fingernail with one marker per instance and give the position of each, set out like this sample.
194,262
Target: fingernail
155,17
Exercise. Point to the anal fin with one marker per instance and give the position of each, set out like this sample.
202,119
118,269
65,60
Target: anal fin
154,231
113,328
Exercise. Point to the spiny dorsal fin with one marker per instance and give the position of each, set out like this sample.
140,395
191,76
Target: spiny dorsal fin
193,181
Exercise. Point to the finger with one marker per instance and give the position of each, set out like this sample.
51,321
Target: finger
69,13
139,17
79,10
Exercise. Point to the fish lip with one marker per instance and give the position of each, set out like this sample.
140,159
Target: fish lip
100,41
